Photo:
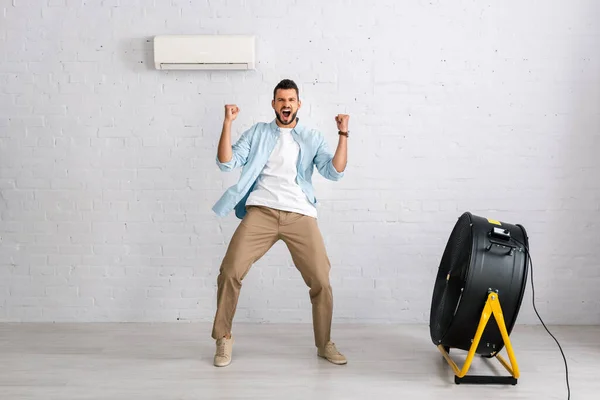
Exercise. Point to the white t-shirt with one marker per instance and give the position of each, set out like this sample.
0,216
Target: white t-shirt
276,186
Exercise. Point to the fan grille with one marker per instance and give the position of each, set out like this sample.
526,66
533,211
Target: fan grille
451,277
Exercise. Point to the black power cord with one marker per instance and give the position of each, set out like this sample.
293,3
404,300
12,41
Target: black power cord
540,318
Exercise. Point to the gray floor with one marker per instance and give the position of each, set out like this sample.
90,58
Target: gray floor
174,361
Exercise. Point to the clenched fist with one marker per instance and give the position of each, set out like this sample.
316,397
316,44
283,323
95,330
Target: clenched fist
231,112
342,122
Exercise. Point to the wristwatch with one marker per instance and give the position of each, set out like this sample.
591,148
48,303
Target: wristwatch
343,133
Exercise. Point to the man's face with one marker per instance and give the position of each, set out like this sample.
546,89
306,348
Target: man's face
286,105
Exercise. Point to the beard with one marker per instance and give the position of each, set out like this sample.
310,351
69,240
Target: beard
292,118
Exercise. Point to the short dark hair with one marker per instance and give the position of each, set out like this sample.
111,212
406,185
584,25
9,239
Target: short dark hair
286,84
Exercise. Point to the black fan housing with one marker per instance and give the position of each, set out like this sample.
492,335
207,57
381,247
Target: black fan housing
481,255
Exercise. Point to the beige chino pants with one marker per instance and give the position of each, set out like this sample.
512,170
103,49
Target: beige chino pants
259,230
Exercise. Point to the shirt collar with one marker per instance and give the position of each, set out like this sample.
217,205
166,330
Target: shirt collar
299,126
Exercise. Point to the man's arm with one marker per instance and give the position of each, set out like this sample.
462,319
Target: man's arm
225,153
228,156
340,157
333,167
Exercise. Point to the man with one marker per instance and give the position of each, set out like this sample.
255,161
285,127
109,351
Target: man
274,198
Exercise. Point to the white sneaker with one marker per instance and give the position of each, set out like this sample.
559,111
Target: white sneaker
223,353
331,354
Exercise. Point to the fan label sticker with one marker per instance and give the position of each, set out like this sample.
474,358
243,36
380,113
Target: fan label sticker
493,221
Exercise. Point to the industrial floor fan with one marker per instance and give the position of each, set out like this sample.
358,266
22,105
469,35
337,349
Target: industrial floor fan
478,292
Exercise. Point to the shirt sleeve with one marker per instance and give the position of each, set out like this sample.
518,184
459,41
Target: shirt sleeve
240,151
324,162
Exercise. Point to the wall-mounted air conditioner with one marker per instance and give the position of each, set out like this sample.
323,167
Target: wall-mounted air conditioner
204,52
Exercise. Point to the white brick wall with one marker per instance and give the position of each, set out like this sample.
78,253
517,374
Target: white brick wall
107,171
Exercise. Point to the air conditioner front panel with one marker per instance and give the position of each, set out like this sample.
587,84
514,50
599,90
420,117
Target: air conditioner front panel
199,51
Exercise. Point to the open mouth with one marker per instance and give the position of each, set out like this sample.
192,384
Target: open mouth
286,113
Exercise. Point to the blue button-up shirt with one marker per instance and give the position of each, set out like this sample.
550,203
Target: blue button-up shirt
252,151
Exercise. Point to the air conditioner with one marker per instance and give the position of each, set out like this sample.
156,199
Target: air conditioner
229,52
